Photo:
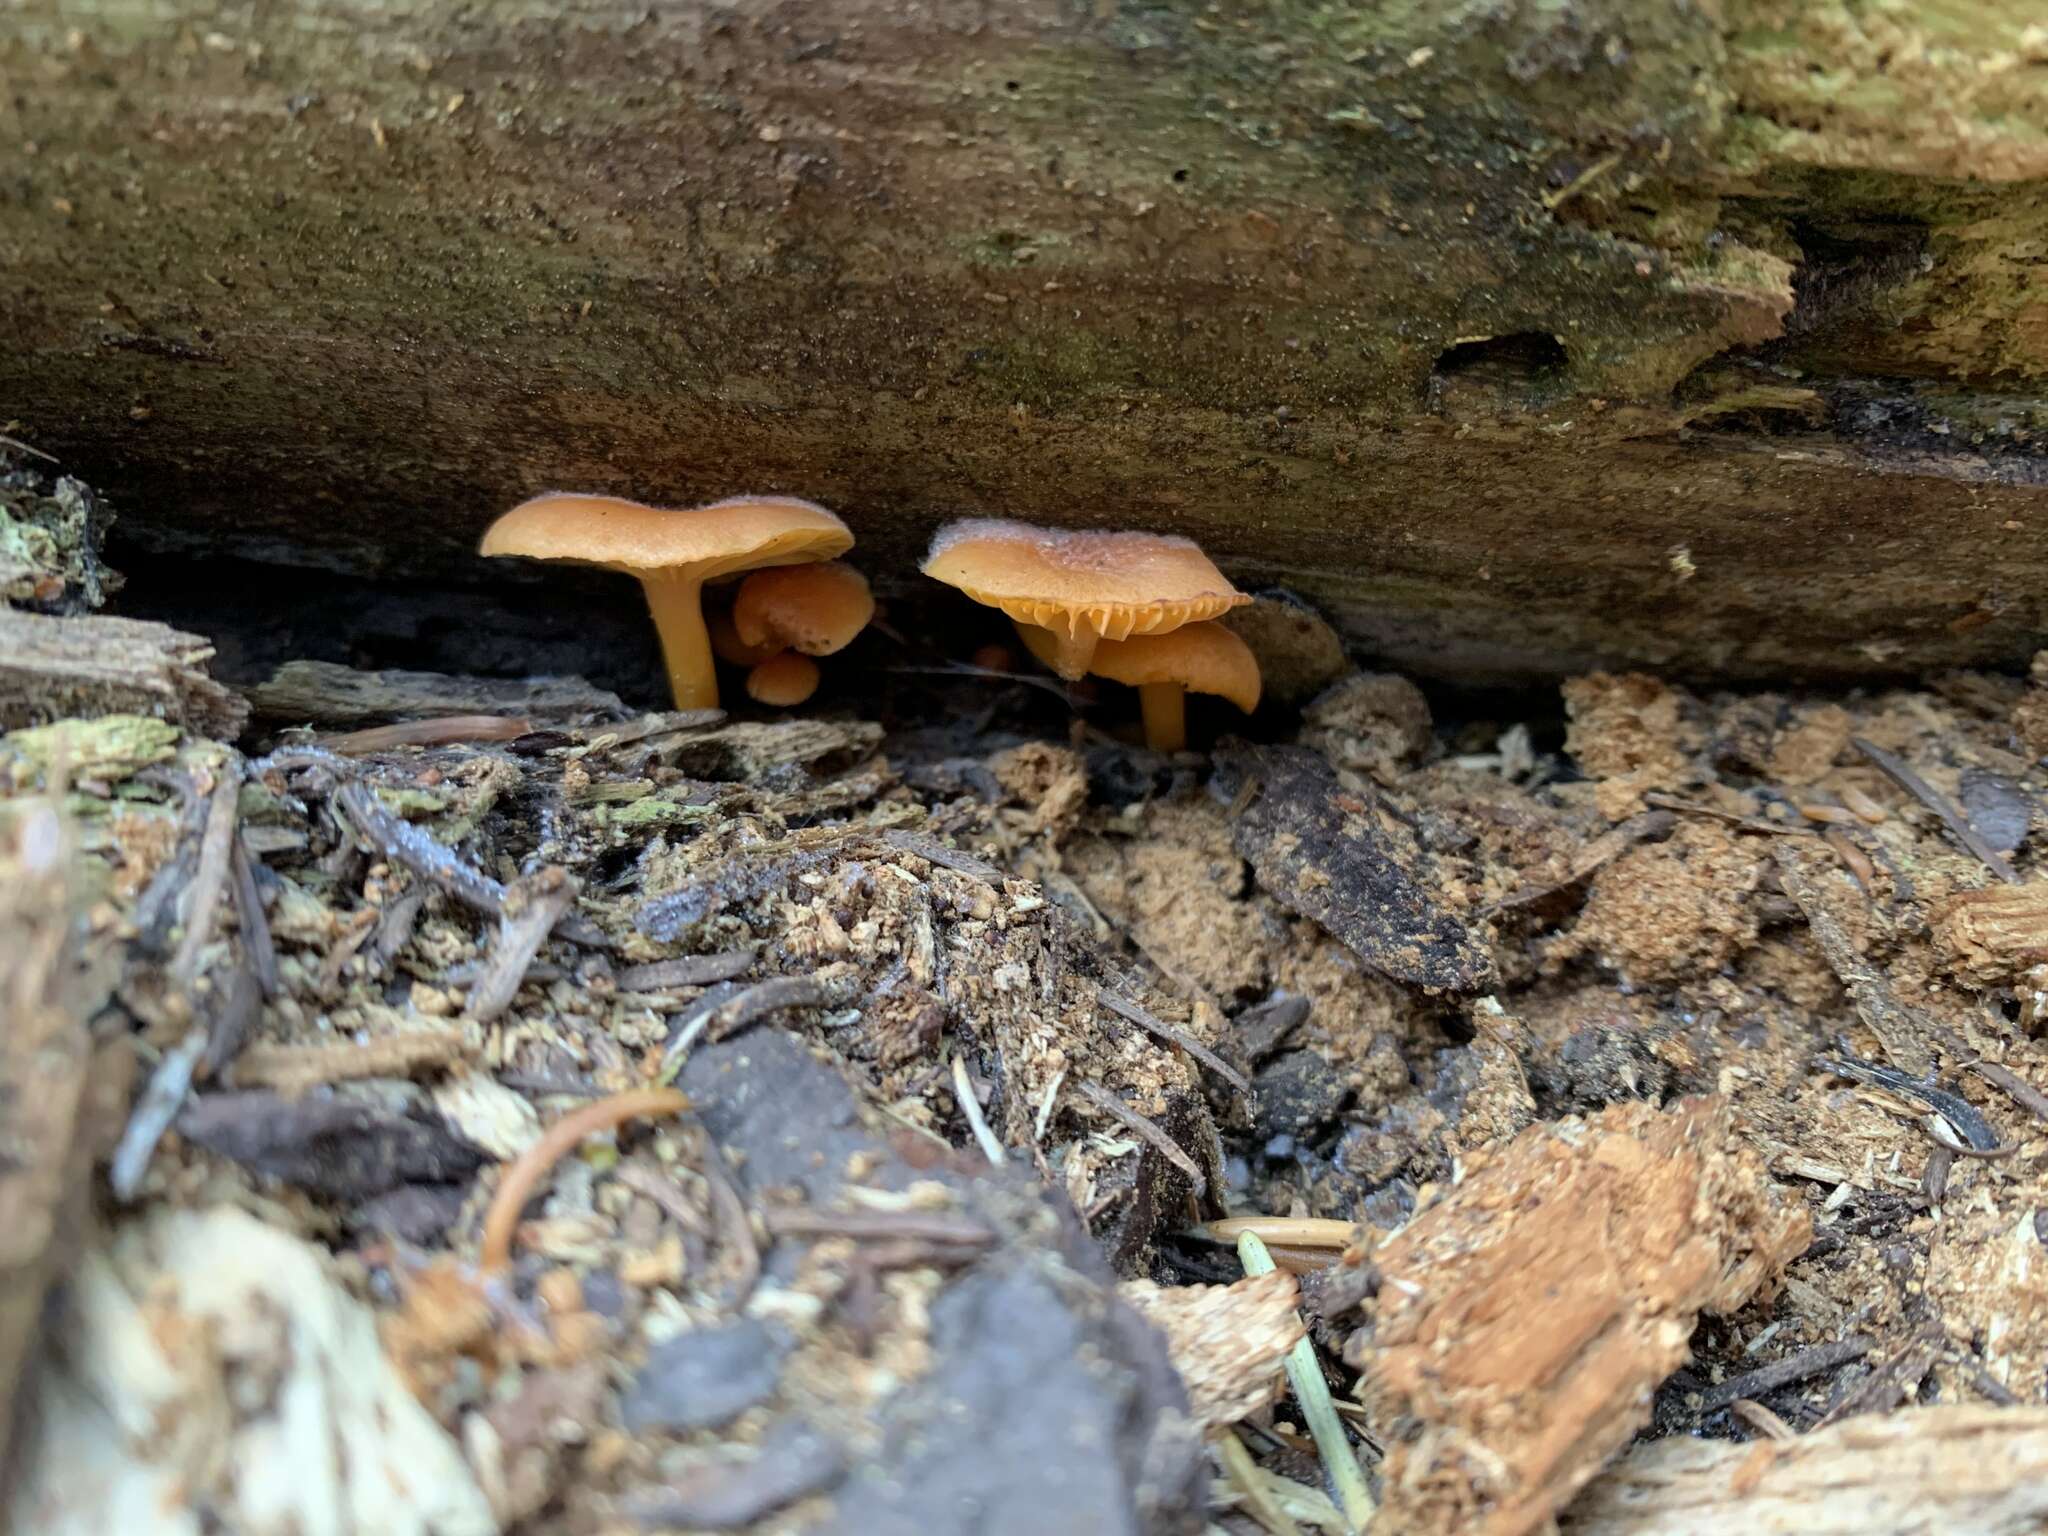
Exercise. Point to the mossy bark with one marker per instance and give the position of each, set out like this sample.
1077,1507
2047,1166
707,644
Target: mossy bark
1519,335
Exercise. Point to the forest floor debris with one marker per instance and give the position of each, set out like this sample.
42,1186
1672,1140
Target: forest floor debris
967,1031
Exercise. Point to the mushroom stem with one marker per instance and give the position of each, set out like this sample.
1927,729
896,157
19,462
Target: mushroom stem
1072,651
677,603
1166,715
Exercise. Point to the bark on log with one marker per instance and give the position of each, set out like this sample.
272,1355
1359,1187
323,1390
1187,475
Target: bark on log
1519,336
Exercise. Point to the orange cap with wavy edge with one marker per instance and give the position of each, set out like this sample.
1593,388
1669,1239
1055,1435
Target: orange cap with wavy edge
1202,658
1113,585
707,542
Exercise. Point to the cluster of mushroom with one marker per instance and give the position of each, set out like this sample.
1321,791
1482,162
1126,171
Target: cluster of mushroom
800,601
1136,608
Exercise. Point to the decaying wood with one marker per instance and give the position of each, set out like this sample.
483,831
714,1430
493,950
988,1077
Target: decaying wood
1523,1319
1961,1470
533,905
1904,1031
87,666
1227,1341
324,694
1990,937
1319,852
46,1063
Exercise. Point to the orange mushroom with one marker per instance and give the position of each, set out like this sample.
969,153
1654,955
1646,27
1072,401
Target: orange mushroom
673,552
1081,586
783,681
1204,657
816,609
727,645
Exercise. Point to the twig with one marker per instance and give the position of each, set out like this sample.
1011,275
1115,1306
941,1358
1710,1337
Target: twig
1293,1231
878,1226
238,1004
1111,1105
1891,1381
1958,824
1903,1032
932,851
17,443
1305,1375
556,1142
1761,1419
1047,1104
2022,1092
295,1068
256,940
1123,1007
1244,1472
210,879
446,731
1804,1366
688,971
1734,819
963,1090
425,856
533,905
153,1114
394,928
719,1016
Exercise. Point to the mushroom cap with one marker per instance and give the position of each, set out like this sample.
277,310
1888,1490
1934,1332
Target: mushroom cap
816,609
1201,657
783,681
707,542
1113,584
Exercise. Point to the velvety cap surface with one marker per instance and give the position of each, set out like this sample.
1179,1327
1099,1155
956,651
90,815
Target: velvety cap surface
1116,584
707,542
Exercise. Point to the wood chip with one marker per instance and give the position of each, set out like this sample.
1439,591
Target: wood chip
1524,1319
1988,938
1966,1470
323,694
1318,857
92,666
1228,1342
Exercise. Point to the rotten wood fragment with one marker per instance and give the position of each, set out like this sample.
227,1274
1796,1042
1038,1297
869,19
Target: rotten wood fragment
1966,1470
1321,858
324,694
1988,938
1525,1317
89,666
343,1149
932,851
533,905
47,1085
1804,1366
1227,1341
1903,1031
210,878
